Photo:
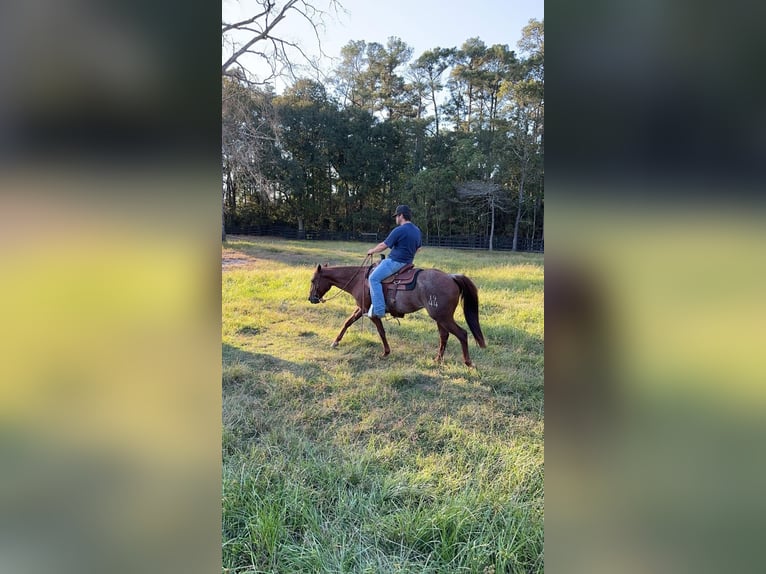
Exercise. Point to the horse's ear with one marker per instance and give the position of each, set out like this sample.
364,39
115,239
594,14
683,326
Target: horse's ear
319,267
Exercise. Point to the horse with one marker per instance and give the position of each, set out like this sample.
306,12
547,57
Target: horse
436,291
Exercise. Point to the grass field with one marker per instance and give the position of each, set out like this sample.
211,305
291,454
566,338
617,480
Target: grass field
336,460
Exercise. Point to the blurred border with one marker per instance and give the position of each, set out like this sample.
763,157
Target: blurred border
110,297
654,287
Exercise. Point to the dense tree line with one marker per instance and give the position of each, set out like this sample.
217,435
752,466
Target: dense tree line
456,133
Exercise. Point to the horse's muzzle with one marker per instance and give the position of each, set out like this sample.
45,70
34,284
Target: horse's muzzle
314,300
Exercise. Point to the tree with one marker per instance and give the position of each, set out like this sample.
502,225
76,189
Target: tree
498,68
430,66
428,196
259,35
465,80
368,76
392,92
248,130
336,154
352,156
350,76
304,114
526,106
487,193
532,42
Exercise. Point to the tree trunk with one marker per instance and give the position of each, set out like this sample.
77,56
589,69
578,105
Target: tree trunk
470,105
223,220
226,196
492,224
231,191
427,218
518,212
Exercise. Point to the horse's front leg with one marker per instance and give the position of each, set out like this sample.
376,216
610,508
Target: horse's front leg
350,321
382,333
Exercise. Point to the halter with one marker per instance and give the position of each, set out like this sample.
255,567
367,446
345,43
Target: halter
366,257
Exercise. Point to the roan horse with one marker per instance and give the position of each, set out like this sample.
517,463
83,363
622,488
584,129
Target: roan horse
435,290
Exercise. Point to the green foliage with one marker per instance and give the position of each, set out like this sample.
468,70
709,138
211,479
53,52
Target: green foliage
335,460
388,129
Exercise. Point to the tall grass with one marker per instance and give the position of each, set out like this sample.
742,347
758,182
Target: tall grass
336,460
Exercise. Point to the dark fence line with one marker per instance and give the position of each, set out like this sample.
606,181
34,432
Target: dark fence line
501,243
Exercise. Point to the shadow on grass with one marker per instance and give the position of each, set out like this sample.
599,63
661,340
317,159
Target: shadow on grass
422,330
261,362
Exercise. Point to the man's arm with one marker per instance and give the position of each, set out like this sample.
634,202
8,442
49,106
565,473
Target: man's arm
378,248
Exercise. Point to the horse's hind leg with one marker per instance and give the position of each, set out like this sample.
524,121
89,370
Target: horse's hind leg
443,336
350,321
462,336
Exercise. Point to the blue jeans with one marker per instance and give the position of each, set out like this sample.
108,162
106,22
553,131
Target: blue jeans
384,269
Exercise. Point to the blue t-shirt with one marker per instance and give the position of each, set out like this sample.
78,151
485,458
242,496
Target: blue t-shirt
403,241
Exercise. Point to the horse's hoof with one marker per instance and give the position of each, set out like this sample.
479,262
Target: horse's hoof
334,344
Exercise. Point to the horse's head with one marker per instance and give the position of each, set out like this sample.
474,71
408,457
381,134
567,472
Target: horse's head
319,286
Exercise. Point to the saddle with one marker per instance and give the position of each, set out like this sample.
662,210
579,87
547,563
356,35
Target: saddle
404,279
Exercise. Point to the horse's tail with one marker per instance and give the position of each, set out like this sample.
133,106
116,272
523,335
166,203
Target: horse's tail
470,296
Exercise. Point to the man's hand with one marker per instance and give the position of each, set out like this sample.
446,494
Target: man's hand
378,248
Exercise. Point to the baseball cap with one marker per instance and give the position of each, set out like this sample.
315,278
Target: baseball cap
403,210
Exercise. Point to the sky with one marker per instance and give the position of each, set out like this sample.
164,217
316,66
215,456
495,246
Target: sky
422,24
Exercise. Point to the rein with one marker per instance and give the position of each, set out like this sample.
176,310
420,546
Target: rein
366,257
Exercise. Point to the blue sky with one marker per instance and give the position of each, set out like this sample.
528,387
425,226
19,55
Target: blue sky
422,24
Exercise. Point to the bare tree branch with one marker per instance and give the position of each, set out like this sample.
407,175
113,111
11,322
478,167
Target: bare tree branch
259,34
261,38
242,25
478,189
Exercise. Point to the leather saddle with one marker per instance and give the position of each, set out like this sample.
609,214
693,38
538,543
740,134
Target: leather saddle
403,280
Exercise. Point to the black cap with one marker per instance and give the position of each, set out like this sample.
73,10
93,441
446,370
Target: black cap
403,210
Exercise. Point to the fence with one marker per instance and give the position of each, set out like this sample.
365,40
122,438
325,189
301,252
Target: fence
502,243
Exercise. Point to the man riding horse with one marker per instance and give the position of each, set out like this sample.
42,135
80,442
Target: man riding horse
404,242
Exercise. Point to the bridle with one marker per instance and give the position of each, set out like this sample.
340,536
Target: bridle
361,266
